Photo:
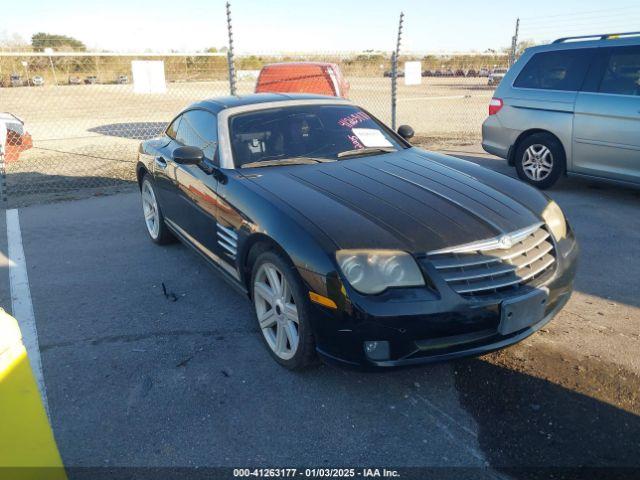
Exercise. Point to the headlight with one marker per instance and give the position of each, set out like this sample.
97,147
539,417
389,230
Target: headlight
373,271
555,220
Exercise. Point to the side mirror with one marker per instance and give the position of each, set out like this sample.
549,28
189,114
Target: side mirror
406,132
187,155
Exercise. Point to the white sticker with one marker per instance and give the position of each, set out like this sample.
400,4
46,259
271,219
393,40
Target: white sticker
371,137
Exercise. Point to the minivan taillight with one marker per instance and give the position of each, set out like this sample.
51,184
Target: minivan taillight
495,105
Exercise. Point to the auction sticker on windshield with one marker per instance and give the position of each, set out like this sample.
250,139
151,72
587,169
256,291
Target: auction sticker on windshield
371,137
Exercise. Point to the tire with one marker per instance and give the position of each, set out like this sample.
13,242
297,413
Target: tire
291,343
152,214
540,160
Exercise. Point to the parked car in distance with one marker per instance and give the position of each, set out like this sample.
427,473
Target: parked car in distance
14,138
428,73
303,77
496,76
483,72
15,80
570,107
37,81
472,73
122,79
75,80
350,242
91,80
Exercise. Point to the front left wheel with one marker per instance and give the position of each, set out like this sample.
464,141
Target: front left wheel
282,311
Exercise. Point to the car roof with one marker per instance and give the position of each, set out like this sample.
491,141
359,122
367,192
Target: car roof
578,44
217,104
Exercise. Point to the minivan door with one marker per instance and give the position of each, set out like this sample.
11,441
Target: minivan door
606,131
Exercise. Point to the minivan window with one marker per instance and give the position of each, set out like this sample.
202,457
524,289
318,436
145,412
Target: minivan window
560,70
622,72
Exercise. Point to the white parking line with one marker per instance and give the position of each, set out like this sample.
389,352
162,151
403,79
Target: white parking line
21,305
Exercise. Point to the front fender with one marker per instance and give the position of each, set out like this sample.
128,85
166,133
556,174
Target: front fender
257,215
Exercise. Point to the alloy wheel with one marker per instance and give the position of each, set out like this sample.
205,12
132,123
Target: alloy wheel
537,162
150,209
276,310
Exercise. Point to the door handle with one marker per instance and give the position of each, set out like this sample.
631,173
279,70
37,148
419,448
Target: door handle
160,162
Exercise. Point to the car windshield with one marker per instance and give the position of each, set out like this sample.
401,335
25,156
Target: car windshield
302,134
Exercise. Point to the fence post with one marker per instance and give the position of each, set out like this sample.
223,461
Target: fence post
394,74
514,44
230,59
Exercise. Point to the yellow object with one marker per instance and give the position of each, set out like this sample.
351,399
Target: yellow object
27,447
327,302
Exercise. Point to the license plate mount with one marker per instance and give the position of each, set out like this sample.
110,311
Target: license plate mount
523,311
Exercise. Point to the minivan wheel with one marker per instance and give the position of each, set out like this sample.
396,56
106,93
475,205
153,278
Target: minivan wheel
153,218
282,311
540,160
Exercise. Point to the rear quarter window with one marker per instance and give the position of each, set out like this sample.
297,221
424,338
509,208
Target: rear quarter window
560,70
622,72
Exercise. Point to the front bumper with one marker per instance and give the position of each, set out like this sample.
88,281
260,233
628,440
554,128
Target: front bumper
417,330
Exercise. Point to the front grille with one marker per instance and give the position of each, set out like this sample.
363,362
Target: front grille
490,267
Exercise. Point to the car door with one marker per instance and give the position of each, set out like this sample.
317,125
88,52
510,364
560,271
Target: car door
197,197
164,172
544,92
606,133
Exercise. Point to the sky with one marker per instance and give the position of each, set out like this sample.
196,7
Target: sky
321,26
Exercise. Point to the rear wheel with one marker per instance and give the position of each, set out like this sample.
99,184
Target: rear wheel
540,160
282,311
153,218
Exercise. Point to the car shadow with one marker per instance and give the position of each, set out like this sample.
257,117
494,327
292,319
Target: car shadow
26,188
530,428
131,130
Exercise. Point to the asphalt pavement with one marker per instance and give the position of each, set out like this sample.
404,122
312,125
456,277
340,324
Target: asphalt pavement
136,379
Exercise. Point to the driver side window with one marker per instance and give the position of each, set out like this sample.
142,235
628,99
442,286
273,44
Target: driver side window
198,128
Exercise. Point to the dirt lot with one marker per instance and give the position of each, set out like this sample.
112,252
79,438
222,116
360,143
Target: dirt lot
88,135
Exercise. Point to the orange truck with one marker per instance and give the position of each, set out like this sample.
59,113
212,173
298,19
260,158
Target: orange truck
320,78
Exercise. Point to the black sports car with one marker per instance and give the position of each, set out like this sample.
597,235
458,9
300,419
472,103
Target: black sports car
349,241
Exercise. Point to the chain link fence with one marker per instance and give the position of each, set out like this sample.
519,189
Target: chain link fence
84,117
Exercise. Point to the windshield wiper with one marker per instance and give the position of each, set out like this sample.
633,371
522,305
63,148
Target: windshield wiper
285,161
366,151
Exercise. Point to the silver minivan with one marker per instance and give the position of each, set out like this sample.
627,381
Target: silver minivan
570,107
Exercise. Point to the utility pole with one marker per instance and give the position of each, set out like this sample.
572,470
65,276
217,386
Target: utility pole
514,44
49,52
394,73
230,59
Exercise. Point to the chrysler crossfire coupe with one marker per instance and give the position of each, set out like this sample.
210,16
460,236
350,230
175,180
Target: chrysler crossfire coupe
351,244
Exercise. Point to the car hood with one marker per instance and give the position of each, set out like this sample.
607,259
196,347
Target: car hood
411,200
